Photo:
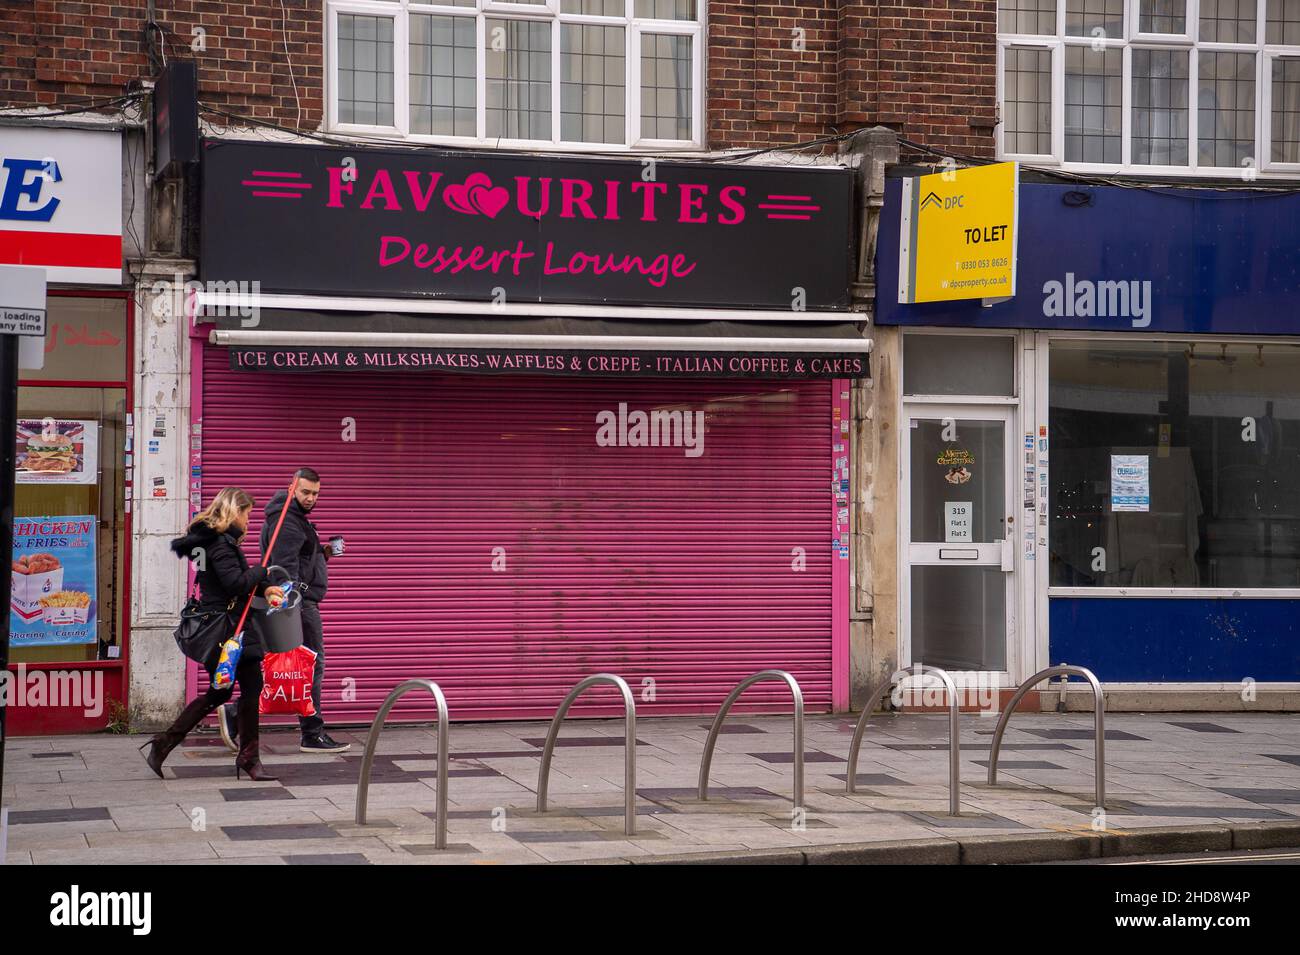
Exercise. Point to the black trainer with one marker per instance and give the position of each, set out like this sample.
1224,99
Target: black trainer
322,743
228,724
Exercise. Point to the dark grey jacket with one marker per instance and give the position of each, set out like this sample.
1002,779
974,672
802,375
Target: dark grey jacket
297,549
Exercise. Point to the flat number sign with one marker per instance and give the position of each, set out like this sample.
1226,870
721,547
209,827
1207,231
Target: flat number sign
957,518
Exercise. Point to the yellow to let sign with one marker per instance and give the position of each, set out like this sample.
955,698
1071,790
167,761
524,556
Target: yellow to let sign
958,235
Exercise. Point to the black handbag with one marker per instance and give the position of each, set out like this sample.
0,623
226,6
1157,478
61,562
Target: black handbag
202,631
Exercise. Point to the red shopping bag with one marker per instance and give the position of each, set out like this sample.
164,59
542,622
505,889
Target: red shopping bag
286,682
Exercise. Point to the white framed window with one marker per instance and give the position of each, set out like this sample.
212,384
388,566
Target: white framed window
575,74
1161,87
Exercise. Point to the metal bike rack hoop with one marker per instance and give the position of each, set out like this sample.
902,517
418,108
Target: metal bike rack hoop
629,746
745,684
363,783
954,730
1099,722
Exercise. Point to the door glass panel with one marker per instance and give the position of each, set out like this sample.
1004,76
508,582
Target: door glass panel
954,462
959,617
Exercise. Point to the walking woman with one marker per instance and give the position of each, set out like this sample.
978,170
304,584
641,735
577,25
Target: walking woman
224,580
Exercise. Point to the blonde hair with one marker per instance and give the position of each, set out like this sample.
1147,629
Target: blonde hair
229,503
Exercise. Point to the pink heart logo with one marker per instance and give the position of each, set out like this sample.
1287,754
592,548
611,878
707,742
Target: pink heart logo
477,196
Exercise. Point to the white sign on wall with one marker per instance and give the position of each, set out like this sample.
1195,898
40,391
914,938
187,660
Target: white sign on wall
957,522
61,203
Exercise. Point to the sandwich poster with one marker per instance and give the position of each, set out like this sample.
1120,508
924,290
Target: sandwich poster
53,578
57,451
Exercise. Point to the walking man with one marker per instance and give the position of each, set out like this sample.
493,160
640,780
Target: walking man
300,552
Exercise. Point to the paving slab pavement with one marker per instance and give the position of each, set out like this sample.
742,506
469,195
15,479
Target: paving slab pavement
1173,780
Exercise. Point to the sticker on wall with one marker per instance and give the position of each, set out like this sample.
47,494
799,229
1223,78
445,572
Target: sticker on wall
159,487
160,426
155,446
1162,448
56,451
957,522
959,462
1130,482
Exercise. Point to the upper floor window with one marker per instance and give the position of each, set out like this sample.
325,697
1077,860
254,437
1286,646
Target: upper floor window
1207,87
603,74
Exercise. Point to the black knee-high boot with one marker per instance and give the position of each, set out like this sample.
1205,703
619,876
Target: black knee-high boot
166,741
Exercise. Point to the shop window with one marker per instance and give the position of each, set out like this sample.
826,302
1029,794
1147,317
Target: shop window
610,74
958,365
69,563
1172,464
1156,85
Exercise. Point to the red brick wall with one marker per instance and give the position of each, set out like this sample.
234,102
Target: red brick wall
923,67
776,72
55,51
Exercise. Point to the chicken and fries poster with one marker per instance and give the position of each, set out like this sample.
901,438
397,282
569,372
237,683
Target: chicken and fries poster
57,451
53,577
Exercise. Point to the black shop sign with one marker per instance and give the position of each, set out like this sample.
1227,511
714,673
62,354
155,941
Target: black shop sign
553,361
523,228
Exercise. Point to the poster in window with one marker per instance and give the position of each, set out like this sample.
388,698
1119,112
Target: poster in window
57,451
1130,482
53,578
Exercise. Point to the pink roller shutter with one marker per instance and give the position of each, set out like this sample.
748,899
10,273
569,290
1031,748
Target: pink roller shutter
639,561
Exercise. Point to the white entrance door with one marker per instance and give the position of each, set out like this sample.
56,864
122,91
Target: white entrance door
960,536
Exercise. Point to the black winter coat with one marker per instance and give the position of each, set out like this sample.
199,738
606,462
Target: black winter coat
297,549
224,575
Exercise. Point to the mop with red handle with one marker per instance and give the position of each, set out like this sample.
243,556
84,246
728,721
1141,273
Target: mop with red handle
224,675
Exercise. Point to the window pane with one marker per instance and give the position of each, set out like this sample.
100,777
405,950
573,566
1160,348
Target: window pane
666,9
1228,21
442,76
1286,111
91,417
958,365
1160,109
1087,17
595,8
959,617
665,86
85,339
592,83
1027,16
1283,22
958,459
1162,16
1225,96
365,69
1224,508
1093,81
518,79
1027,101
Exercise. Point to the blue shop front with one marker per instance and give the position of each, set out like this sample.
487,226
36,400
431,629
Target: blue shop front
1104,469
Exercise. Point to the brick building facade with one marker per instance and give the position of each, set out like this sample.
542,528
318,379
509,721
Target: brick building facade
776,72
